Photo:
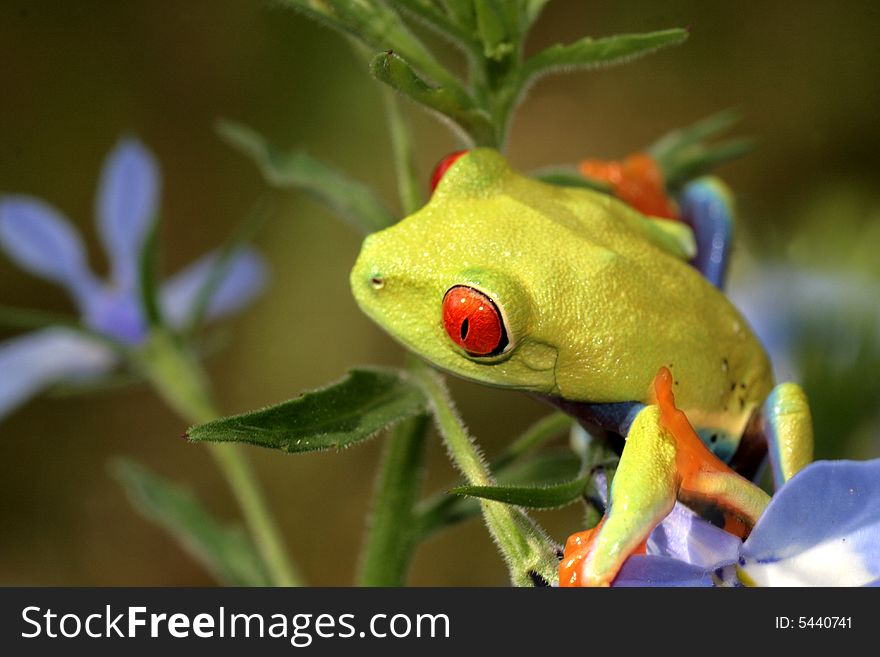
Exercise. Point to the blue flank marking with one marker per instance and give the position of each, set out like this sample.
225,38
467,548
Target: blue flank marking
616,416
724,446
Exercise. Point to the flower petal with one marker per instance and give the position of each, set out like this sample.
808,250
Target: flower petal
43,242
244,277
821,529
118,315
127,203
35,360
685,536
643,570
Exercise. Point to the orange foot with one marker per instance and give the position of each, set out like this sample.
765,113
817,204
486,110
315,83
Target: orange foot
694,463
637,181
577,549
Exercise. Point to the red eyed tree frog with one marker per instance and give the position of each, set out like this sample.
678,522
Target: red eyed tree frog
575,297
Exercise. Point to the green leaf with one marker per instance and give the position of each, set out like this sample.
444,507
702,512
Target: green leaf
378,26
699,160
590,53
428,13
677,140
349,199
462,12
570,178
442,510
498,26
683,154
338,416
533,9
225,551
533,497
474,123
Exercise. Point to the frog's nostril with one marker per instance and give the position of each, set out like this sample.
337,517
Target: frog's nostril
377,282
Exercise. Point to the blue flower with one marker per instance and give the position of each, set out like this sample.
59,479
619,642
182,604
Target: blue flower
42,241
821,529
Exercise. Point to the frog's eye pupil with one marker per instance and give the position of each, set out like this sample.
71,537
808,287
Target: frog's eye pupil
473,321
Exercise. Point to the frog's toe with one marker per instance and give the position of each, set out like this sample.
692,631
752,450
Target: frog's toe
575,558
578,568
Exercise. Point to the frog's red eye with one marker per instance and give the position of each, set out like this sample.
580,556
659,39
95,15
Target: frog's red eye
473,321
443,167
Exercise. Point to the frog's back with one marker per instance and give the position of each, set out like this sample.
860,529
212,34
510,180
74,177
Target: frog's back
640,306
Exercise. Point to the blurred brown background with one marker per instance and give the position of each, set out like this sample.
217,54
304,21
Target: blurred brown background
76,76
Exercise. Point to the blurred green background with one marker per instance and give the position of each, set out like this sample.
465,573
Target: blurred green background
76,76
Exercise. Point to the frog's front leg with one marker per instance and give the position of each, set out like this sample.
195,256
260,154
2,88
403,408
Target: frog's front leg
663,460
788,428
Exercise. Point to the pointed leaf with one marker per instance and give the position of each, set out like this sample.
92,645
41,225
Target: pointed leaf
473,122
590,53
335,417
692,135
684,154
569,177
462,12
533,497
428,13
533,9
442,510
225,551
698,160
381,28
348,198
498,26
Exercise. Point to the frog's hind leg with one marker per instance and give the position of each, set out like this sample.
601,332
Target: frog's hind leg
663,460
788,428
707,207
643,492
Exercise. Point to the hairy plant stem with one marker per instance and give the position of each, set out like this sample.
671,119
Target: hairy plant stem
392,536
442,510
529,553
179,379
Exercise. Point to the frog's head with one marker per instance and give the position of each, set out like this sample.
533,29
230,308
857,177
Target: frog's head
455,282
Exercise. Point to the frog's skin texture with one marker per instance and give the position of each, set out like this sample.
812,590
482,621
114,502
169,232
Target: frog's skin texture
594,298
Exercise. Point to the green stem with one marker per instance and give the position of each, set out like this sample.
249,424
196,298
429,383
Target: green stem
442,510
180,381
392,538
409,189
529,553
